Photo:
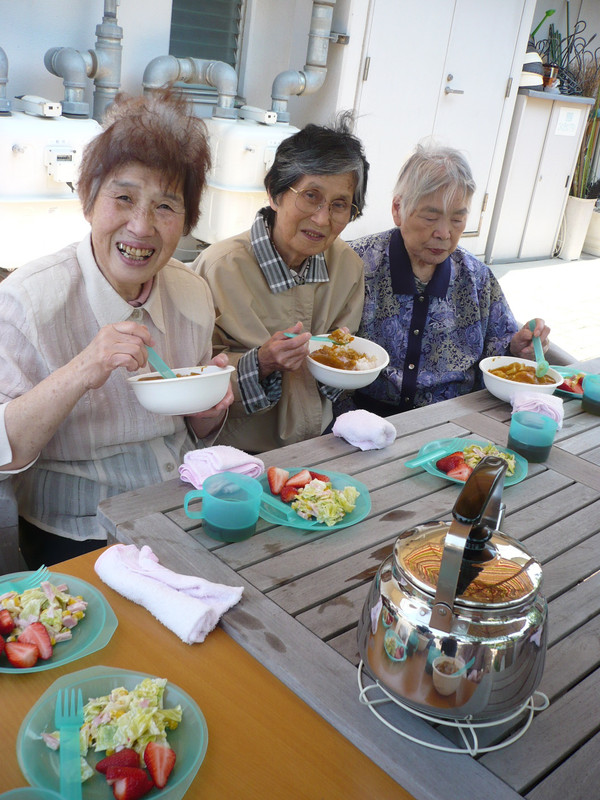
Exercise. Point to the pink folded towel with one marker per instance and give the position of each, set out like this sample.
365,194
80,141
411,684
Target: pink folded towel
364,429
198,465
547,404
187,605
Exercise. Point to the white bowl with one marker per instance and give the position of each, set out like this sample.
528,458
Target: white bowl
504,389
447,683
348,378
187,394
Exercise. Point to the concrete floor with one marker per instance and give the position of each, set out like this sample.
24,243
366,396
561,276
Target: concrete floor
566,294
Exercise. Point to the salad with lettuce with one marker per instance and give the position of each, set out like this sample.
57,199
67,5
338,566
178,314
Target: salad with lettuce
474,453
121,719
319,499
51,605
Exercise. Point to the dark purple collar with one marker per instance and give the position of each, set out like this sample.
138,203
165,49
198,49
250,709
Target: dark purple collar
402,276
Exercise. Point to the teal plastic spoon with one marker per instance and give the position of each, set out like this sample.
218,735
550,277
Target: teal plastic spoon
542,365
158,364
312,338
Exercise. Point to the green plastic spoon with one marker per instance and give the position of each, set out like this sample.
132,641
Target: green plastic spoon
542,365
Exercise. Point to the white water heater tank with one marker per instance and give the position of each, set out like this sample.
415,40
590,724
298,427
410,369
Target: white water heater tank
39,211
242,152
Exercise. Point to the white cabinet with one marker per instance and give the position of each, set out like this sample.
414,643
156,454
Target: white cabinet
543,144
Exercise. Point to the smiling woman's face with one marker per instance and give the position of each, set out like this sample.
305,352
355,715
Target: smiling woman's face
136,225
432,231
298,235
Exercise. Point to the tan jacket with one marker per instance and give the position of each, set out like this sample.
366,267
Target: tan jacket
248,313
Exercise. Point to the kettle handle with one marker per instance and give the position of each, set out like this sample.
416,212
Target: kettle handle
477,506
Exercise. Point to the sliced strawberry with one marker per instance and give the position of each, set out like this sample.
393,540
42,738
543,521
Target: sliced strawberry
299,479
37,634
129,783
2,645
6,622
461,472
160,760
22,654
451,461
318,476
277,478
289,493
122,758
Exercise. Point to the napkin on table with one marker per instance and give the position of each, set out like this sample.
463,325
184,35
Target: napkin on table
546,404
198,465
364,429
187,605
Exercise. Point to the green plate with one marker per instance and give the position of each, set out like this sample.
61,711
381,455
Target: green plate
443,447
566,372
91,633
339,481
40,765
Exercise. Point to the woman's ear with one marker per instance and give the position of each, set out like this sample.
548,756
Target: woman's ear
272,202
396,211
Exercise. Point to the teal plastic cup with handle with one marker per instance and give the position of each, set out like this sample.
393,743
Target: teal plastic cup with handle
590,401
230,506
531,435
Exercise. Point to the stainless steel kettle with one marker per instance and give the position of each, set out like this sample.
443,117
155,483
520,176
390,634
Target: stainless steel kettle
454,624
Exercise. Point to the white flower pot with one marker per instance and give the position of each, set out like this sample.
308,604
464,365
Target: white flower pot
578,214
591,244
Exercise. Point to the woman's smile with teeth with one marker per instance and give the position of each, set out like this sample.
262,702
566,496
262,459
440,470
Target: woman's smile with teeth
134,252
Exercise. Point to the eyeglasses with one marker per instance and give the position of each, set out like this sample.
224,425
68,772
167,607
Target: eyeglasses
310,201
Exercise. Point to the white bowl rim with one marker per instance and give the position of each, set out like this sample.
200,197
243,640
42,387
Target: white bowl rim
216,370
525,361
378,368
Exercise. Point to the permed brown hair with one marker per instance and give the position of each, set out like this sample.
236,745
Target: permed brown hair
158,131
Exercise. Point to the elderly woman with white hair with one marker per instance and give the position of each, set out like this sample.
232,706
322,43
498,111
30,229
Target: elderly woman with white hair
432,305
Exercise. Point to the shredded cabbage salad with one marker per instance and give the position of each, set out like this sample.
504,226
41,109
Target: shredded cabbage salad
121,719
51,605
318,499
474,453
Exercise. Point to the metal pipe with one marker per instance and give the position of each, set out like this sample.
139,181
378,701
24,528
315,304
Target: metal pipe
107,55
4,103
164,70
312,77
70,65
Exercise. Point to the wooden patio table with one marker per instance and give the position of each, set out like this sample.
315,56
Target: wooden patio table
263,741
304,592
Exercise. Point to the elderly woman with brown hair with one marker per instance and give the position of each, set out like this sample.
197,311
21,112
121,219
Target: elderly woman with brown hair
75,323
290,273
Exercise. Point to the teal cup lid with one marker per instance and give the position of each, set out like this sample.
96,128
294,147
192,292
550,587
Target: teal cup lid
530,427
229,500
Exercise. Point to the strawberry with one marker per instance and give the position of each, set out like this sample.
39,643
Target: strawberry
451,461
128,783
37,634
460,472
299,479
22,654
289,493
6,622
318,476
277,478
2,644
127,757
160,760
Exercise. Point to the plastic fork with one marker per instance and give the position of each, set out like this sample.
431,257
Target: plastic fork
68,718
30,582
542,365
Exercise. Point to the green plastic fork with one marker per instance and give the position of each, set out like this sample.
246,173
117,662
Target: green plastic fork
30,582
68,718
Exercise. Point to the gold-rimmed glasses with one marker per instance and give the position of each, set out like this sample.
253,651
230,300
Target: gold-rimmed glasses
309,201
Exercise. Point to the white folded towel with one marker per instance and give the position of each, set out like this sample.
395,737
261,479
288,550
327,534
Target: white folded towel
364,429
198,465
187,605
547,404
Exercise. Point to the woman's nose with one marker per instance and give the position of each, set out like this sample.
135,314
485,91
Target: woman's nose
321,216
141,220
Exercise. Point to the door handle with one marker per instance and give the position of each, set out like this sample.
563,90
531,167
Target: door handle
450,90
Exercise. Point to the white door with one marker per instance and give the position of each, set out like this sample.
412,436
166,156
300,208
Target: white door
439,69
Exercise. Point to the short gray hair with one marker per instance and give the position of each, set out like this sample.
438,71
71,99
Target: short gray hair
429,169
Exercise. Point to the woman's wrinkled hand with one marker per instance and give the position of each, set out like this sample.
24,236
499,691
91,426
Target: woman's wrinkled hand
281,354
121,344
205,422
521,345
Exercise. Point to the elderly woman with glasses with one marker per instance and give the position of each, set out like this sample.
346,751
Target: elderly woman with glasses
289,273
430,303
